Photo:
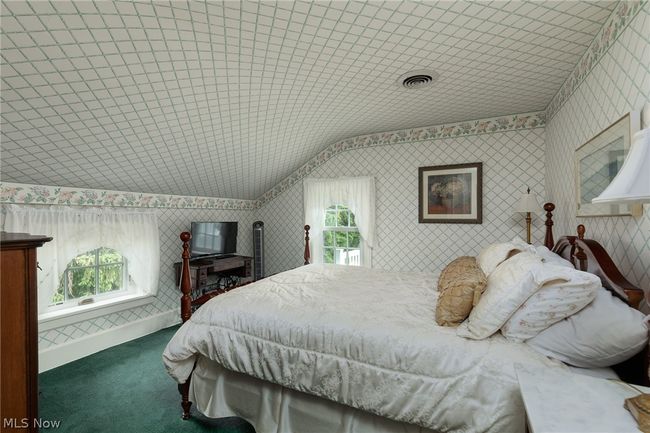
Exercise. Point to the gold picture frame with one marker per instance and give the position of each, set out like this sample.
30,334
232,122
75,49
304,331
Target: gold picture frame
598,161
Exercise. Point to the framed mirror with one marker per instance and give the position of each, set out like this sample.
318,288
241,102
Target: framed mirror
598,161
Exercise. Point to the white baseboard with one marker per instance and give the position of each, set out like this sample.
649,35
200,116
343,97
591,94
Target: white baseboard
56,356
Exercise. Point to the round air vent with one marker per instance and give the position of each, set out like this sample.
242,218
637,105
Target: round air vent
417,79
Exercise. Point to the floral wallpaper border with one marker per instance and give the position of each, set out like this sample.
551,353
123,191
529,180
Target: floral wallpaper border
55,195
452,130
620,17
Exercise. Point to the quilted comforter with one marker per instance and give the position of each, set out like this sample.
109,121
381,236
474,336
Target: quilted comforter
361,337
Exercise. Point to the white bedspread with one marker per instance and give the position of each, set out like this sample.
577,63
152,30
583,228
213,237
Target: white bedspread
361,337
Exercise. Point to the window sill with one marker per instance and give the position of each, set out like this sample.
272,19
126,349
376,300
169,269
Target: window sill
81,313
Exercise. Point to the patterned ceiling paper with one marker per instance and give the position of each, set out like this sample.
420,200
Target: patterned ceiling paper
460,129
39,194
227,99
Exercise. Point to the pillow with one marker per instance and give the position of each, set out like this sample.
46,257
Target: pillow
511,283
552,258
569,293
460,285
493,255
604,333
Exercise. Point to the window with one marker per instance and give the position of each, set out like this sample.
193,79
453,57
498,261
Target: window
98,273
102,260
341,239
343,233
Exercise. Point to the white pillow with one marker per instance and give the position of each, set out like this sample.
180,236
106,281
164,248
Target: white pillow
604,333
569,293
493,255
552,258
511,283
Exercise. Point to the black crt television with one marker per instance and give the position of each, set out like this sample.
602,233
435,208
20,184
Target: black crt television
213,238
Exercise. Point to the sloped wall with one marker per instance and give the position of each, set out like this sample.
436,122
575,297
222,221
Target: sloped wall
174,216
512,160
618,83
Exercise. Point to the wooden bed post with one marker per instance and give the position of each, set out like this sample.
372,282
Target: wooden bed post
186,313
307,252
580,254
186,283
548,239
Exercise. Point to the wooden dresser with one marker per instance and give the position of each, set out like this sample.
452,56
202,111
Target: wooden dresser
19,330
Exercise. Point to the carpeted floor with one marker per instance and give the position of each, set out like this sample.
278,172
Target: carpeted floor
123,389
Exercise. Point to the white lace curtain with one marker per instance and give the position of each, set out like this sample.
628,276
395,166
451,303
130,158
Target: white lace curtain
357,193
78,230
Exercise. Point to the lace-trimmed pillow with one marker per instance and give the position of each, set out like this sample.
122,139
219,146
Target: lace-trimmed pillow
460,286
554,301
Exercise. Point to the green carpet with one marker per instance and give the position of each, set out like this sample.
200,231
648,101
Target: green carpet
123,389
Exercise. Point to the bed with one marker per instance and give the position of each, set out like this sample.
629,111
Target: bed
340,349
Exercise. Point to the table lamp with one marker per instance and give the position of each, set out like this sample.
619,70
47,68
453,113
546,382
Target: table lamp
527,204
632,183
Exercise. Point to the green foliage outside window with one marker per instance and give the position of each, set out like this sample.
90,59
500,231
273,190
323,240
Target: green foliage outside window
341,235
91,273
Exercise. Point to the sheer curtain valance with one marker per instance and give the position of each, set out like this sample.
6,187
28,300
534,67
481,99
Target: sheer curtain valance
78,230
357,193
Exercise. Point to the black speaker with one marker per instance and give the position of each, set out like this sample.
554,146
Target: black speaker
258,250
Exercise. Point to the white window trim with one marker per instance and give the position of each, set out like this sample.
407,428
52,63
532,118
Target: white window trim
95,299
80,313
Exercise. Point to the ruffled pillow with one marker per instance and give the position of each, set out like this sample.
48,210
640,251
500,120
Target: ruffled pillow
460,286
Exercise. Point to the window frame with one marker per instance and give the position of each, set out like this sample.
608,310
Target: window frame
341,229
96,296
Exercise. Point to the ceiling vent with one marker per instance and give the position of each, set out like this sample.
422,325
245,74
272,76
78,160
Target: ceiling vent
417,79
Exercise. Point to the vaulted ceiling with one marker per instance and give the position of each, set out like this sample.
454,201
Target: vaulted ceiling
225,99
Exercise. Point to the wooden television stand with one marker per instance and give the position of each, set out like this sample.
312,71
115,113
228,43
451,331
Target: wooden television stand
214,273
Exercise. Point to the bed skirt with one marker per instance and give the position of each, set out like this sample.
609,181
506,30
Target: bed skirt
270,408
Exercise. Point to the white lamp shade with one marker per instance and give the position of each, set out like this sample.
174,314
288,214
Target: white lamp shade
528,203
632,183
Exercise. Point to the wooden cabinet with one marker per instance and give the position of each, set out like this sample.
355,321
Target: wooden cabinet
217,272
19,330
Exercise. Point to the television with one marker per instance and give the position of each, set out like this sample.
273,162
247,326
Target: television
213,238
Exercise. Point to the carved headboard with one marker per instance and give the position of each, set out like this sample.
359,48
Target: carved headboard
589,256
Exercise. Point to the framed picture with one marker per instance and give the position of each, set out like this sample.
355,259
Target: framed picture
451,194
598,161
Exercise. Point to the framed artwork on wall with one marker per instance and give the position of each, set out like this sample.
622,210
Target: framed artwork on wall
598,161
451,194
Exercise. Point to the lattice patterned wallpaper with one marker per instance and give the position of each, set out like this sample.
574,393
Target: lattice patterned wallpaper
171,222
618,83
511,160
